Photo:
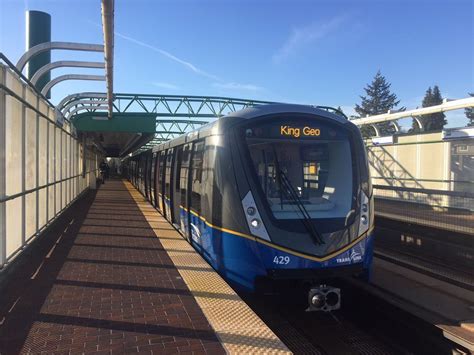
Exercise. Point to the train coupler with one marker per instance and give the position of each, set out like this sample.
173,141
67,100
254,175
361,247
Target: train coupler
324,298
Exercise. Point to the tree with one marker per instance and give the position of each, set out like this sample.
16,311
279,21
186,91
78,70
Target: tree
340,110
434,121
378,100
470,114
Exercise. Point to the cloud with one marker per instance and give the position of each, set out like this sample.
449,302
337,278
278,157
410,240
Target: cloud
219,82
238,86
165,85
307,35
167,54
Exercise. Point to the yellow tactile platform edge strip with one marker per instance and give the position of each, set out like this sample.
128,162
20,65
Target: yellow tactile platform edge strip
239,329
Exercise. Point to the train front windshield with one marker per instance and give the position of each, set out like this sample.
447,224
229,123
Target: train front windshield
318,175
305,170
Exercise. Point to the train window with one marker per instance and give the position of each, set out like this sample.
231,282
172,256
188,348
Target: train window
160,175
196,176
148,174
169,158
161,165
179,157
152,180
184,174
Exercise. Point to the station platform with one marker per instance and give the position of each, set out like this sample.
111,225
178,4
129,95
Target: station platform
112,276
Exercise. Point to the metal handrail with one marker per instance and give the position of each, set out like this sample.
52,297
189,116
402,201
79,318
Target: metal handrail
425,191
422,180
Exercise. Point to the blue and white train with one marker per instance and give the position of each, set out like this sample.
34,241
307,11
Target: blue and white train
269,193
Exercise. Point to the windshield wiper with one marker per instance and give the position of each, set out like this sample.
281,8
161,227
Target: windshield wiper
290,191
304,212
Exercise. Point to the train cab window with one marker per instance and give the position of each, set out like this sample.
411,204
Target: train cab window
196,175
315,171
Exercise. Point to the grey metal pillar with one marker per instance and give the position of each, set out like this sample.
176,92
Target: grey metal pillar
38,30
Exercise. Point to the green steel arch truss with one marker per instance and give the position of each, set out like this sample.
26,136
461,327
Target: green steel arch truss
175,114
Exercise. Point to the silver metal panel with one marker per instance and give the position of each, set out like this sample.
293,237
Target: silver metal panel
261,231
365,227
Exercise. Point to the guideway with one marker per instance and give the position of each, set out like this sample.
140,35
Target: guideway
111,275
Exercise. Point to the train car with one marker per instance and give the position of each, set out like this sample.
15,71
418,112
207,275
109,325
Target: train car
270,193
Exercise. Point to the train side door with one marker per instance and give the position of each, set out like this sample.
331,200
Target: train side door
178,157
184,188
168,184
152,179
197,224
146,175
160,185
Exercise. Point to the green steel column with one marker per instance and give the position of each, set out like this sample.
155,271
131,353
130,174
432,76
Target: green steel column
38,30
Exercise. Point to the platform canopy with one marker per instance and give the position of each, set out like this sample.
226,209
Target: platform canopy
118,136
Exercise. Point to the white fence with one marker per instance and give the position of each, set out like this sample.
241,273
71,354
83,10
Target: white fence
43,167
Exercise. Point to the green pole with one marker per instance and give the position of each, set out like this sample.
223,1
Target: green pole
38,30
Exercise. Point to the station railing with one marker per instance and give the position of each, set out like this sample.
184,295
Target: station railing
43,165
442,209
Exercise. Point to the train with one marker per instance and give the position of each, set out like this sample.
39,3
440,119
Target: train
276,193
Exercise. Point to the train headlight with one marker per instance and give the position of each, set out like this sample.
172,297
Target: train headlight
255,223
363,219
251,211
318,300
365,208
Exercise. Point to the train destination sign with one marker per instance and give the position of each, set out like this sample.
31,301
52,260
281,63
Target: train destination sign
297,132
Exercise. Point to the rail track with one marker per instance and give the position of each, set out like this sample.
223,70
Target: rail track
366,324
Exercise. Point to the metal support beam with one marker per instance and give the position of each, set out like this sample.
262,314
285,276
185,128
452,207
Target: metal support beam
396,126
64,63
108,29
376,129
446,106
40,48
71,77
419,122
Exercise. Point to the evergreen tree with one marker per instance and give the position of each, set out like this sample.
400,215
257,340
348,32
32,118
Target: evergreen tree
340,109
434,121
378,100
470,114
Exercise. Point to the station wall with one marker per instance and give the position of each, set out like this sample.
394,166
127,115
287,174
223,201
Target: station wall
43,166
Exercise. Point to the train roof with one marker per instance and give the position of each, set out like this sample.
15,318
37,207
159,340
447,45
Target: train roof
219,125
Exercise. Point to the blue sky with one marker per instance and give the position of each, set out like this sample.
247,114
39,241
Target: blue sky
316,52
